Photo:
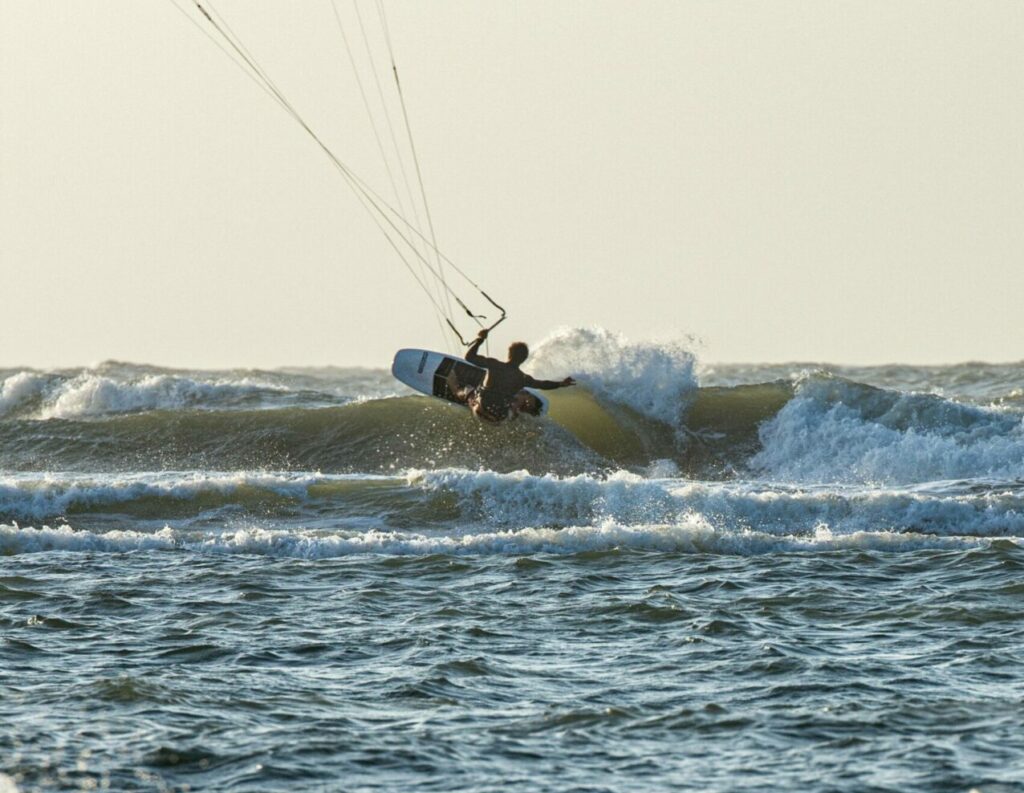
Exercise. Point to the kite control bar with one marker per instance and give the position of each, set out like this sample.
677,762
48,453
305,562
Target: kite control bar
476,318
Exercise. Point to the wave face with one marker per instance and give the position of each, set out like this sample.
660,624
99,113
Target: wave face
114,388
638,407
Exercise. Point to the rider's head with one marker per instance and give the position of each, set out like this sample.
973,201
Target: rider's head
518,352
525,402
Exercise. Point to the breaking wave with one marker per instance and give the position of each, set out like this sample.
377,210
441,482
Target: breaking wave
638,407
693,537
835,430
653,379
116,389
455,500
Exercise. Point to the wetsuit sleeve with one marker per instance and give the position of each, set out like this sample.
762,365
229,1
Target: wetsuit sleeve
544,385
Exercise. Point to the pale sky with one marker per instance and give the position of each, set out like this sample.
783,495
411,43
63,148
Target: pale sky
816,181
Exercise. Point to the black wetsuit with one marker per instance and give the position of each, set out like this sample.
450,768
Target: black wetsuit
503,381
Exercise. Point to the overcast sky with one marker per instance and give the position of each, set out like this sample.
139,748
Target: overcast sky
828,181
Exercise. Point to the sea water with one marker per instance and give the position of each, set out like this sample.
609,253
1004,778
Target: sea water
795,577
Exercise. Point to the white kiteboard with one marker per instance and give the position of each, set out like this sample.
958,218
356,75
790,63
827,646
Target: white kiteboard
427,372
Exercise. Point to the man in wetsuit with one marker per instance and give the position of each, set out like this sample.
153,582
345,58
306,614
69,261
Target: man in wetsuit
500,395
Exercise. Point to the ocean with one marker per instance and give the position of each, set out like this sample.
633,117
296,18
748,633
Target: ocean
688,577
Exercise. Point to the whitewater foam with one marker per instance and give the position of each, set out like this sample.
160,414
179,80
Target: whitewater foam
114,388
654,378
20,388
91,394
834,430
695,536
459,498
519,499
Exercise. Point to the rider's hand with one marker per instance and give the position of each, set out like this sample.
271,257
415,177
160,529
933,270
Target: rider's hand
482,334
568,381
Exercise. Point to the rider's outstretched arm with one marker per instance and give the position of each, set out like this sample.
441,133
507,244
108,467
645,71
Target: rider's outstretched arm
547,385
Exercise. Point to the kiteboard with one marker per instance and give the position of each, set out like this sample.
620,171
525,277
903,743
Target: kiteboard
427,372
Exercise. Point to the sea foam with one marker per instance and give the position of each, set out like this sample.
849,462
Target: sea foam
519,499
92,394
694,536
111,389
19,388
454,499
654,378
834,430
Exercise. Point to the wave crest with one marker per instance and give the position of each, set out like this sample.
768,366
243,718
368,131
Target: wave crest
692,537
654,378
835,430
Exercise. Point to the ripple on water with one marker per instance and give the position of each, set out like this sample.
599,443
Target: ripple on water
9,593
388,674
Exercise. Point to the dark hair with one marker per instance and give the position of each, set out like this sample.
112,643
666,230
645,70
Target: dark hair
518,352
534,406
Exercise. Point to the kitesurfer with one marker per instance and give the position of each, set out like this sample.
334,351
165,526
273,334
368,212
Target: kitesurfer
502,396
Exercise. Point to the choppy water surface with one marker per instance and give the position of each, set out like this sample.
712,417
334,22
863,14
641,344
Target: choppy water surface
775,577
